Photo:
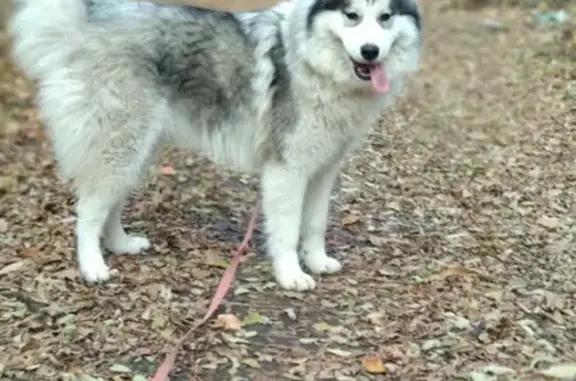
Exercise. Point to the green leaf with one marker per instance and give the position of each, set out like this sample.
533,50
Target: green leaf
253,318
322,326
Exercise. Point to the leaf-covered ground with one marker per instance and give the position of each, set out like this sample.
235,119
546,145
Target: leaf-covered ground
455,223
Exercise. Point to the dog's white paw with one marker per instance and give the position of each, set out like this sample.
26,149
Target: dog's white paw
294,279
94,271
322,264
129,245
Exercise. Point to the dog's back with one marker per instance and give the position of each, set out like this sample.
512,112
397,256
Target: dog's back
91,57
47,34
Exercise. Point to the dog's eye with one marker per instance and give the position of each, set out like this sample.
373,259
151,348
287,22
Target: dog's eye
352,16
385,17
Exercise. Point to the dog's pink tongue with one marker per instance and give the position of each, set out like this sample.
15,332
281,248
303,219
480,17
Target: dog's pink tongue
380,82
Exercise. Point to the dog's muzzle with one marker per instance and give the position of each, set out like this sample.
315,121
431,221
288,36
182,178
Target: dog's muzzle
373,72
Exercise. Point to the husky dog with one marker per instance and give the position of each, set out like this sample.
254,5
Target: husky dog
285,92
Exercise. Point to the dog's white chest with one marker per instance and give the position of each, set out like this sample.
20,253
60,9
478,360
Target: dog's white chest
327,134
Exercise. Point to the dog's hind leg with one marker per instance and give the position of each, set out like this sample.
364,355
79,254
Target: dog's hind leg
111,175
115,237
98,209
93,210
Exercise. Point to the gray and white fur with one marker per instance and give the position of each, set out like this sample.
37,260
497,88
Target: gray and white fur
286,92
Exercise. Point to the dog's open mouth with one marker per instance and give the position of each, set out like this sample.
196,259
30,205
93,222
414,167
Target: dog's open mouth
375,73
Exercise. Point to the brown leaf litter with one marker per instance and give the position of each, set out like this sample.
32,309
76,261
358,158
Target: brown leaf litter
455,223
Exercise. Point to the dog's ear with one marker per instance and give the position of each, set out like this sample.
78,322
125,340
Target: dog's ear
405,3
408,8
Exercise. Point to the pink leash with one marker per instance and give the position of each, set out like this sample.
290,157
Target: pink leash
227,278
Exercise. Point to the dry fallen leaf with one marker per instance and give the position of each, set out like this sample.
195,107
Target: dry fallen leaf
11,267
461,193
167,170
119,368
457,321
339,352
350,219
477,376
234,339
373,364
560,371
322,326
86,377
462,272
228,322
491,372
69,273
290,312
548,222
3,225
214,259
252,363
497,369
375,318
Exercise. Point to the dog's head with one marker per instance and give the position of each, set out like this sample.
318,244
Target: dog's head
366,42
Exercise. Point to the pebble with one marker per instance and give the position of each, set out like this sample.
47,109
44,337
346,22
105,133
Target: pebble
493,25
3,225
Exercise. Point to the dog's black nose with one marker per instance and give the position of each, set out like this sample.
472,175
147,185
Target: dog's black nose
369,51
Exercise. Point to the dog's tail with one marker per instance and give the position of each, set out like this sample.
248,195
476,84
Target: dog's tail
45,33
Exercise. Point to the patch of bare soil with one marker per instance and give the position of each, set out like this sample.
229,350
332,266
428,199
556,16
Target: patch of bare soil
455,223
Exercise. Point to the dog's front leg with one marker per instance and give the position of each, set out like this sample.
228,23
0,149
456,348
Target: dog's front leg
314,221
283,191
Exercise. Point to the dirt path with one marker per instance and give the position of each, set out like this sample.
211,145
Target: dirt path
455,223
